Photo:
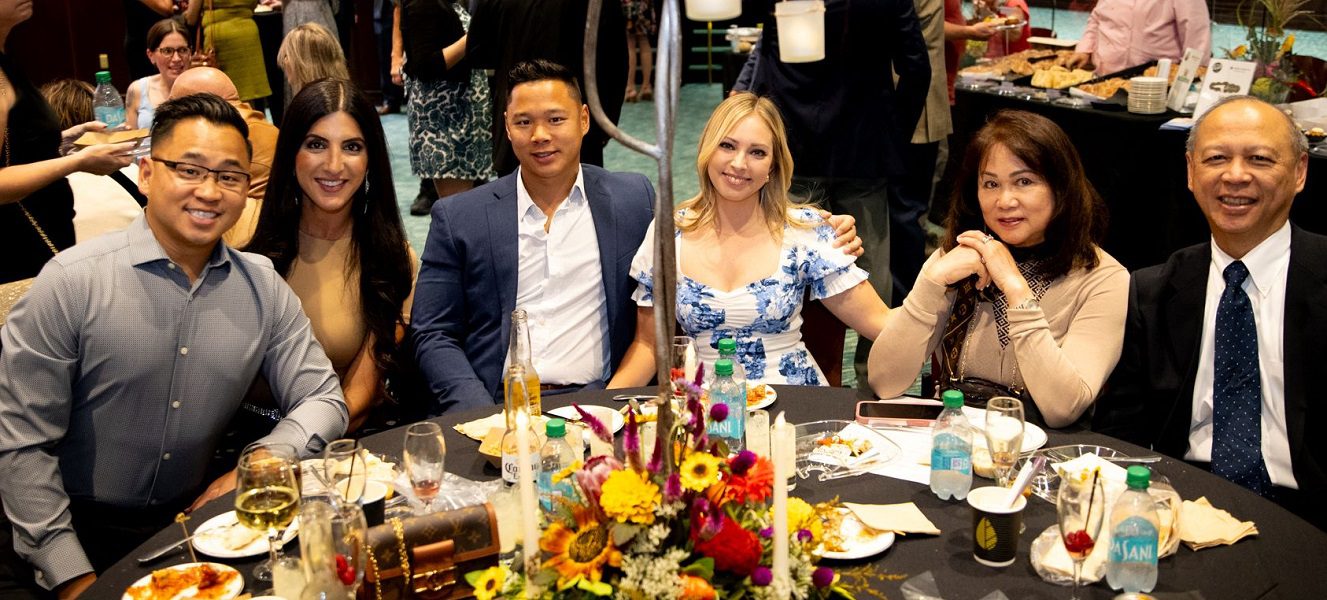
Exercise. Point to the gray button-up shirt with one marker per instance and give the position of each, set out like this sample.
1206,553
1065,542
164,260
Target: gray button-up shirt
118,377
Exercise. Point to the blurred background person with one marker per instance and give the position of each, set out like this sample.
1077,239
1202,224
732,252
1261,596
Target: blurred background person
393,96
642,29
262,138
331,226
309,53
448,102
168,49
1035,308
746,257
298,12
139,15
229,28
1006,41
1123,33
36,203
101,203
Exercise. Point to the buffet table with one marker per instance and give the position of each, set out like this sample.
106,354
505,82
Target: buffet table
1137,168
1283,561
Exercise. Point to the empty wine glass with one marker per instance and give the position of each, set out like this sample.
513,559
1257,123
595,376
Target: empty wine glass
266,497
425,453
1081,507
345,469
1004,435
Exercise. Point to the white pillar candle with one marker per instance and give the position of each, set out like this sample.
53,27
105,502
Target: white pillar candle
782,432
529,503
712,10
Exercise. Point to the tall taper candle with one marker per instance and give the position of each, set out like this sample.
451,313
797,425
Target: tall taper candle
781,434
529,503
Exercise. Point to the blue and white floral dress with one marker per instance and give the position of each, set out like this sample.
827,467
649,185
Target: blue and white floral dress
765,316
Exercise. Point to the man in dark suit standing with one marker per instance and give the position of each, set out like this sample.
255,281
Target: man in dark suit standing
504,33
556,238
848,122
1222,340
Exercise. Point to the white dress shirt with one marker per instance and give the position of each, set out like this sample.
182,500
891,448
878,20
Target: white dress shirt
560,284
1268,264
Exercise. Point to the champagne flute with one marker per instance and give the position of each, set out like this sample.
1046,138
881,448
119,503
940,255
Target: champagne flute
266,498
349,532
1004,435
682,367
1081,507
345,469
425,453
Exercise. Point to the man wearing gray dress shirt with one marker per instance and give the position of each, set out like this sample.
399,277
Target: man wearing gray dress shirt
121,368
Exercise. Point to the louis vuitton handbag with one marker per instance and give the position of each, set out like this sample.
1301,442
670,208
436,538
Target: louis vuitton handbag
427,557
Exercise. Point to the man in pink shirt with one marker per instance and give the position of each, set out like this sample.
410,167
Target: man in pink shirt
1124,33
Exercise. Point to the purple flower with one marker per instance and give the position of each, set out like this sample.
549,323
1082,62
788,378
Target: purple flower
631,443
804,535
822,577
743,462
673,487
762,576
767,532
708,517
718,412
595,424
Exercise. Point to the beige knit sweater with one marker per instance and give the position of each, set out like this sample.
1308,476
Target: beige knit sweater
1062,352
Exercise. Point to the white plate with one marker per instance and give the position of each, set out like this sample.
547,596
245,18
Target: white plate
232,590
601,412
1033,437
860,541
770,397
209,538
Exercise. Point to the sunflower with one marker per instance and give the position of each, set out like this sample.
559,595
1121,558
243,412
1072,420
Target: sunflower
489,583
700,470
582,552
630,496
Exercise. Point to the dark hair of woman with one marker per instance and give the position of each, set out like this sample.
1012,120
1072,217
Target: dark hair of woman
378,243
163,28
1079,217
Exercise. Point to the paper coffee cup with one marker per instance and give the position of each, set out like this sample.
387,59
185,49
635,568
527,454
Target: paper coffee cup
996,526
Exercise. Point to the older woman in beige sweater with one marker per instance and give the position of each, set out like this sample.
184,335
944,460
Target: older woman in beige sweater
1020,296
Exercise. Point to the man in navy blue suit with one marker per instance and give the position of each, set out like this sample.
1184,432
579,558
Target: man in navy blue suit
555,238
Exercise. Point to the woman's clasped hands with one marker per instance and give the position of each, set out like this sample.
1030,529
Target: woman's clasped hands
985,256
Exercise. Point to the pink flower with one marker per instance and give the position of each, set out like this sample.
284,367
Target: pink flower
591,478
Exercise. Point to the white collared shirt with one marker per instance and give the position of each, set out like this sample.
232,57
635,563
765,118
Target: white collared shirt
1268,264
560,284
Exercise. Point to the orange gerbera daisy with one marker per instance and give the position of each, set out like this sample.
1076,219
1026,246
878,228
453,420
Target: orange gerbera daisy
581,552
755,486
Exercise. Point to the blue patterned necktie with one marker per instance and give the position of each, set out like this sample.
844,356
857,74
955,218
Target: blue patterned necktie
1237,389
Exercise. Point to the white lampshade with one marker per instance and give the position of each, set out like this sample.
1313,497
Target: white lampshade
801,30
713,10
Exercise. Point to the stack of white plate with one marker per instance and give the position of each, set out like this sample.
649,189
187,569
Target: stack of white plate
1147,95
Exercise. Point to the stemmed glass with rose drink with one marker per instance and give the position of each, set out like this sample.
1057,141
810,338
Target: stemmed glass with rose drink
425,454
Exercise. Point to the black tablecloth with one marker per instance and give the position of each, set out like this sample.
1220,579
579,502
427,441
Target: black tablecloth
1283,561
1139,170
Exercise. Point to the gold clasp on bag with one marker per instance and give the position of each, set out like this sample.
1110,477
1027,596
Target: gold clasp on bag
435,570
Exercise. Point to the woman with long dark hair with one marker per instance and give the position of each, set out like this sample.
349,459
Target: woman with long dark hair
331,226
1021,300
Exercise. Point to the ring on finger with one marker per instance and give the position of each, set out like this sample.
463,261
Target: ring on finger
987,239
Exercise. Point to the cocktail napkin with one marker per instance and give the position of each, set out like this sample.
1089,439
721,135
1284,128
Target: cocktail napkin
479,428
1203,525
902,518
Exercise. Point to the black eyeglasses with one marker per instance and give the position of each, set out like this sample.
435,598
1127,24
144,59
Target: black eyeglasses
164,51
236,181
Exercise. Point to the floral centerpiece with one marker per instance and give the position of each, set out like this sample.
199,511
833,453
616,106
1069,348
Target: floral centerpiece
698,529
1270,45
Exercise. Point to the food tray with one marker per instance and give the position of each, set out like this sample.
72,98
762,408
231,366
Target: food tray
815,454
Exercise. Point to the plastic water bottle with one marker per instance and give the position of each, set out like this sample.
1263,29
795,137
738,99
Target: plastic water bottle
728,349
107,105
731,430
951,450
1135,534
554,458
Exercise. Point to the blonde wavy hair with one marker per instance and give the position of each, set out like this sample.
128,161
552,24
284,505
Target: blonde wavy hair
774,199
310,53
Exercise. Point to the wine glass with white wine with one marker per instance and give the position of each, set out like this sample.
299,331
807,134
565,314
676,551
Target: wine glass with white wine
1004,435
266,498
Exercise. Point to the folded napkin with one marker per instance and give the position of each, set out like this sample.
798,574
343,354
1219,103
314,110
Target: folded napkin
1203,526
479,428
902,518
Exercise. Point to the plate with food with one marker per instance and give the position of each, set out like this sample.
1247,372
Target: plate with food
607,415
760,396
847,538
223,536
200,580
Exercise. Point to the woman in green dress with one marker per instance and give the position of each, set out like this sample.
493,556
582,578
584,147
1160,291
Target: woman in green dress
229,27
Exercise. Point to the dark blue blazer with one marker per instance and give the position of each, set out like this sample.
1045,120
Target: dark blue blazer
467,283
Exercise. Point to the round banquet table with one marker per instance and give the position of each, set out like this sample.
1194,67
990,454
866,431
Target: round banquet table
1283,561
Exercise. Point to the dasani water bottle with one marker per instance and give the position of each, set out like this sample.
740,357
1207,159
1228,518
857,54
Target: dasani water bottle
951,450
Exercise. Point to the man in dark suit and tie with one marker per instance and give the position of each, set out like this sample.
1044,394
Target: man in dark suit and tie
1222,340
555,238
